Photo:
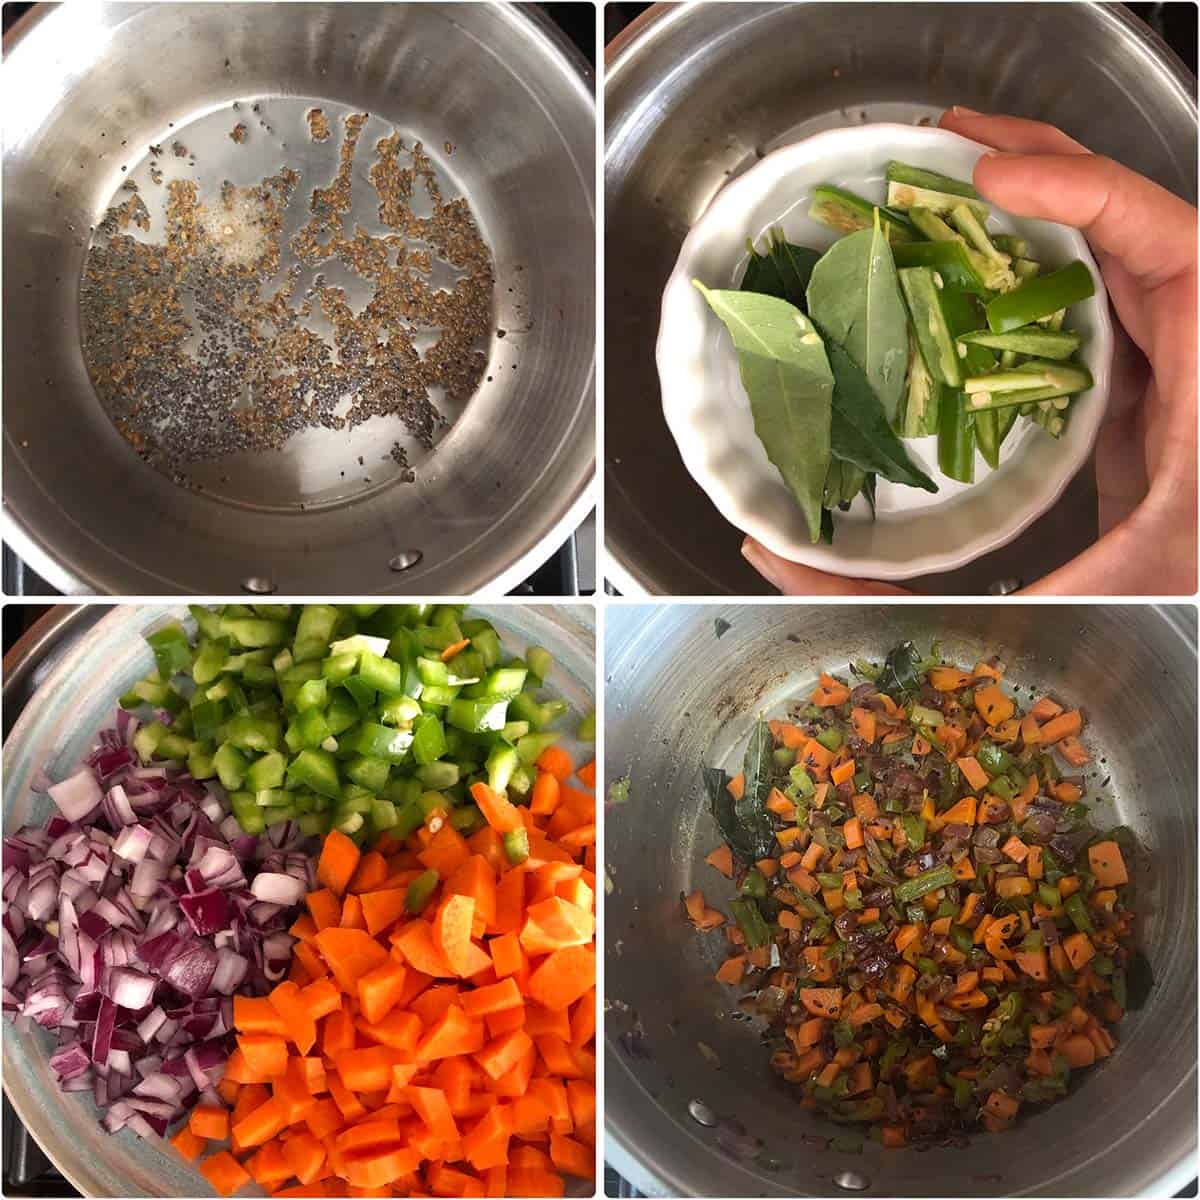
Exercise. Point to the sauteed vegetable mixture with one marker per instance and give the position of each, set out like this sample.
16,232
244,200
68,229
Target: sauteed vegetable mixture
925,915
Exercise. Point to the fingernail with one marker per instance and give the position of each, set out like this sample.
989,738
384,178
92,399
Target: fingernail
960,110
759,559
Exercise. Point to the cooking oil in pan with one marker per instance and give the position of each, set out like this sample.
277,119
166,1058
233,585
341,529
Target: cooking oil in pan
287,303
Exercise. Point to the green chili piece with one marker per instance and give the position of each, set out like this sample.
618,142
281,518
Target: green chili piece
1040,297
927,881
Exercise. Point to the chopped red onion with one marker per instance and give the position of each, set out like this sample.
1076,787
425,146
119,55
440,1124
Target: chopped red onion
129,988
95,943
278,889
78,795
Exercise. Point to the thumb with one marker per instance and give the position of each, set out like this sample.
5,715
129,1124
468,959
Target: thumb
792,579
1149,231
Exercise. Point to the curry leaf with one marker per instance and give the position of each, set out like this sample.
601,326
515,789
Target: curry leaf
790,386
745,823
901,671
783,271
860,433
854,296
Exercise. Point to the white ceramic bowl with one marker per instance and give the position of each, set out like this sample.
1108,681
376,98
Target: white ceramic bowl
706,408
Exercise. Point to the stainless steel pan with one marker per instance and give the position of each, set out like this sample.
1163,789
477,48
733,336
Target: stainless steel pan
694,95
678,695
88,88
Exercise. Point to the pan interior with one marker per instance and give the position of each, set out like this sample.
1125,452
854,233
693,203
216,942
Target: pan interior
684,687
285,302
102,85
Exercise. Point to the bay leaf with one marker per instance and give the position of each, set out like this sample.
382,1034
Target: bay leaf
859,431
787,378
854,298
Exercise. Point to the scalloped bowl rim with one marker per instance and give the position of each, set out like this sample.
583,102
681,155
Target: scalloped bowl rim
684,328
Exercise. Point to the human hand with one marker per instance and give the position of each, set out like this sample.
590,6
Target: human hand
1144,239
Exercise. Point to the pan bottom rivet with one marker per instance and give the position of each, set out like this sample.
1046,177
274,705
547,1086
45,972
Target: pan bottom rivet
1004,587
852,1181
259,585
701,1113
405,560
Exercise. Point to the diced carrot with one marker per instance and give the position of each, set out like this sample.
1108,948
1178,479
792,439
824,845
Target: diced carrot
1108,864
350,954
497,810
556,761
325,908
189,1145
492,999
260,1125
972,772
1067,724
224,1172
265,1055
1079,950
368,1069
257,1015
338,862
301,1029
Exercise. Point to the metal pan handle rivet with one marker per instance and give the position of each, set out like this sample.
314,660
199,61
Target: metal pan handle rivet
405,560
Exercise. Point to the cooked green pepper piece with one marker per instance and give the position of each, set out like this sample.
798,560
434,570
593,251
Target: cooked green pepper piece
1074,907
1040,297
848,213
920,885
962,938
921,294
750,921
755,884
831,739
914,830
